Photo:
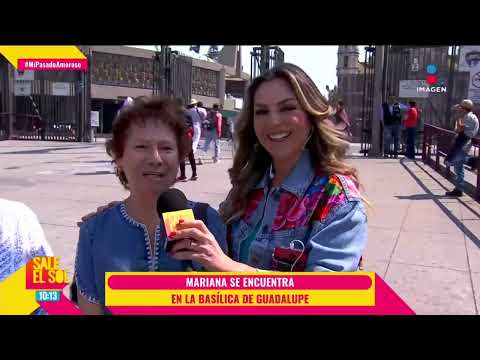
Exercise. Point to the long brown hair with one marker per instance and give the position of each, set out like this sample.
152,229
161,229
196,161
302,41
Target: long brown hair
326,145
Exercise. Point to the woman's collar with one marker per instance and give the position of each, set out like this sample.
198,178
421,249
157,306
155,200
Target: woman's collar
299,178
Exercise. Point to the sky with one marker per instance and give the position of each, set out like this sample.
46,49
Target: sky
319,62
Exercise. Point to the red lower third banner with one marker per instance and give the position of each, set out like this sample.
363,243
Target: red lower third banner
41,282
259,293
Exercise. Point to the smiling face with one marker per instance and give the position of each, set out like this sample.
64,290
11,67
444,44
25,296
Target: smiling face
150,158
281,125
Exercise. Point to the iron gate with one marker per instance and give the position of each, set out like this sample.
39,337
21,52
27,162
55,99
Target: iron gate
51,116
410,63
48,105
274,56
4,119
367,102
172,75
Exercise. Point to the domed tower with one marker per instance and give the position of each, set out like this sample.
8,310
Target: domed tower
347,63
349,85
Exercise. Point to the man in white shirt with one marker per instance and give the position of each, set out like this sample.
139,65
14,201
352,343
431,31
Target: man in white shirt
21,237
203,116
202,110
197,117
467,127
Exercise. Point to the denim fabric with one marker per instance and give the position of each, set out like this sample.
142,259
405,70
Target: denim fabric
112,241
323,213
197,131
411,133
211,135
458,160
391,135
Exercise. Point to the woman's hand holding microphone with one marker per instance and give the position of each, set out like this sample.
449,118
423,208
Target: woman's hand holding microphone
193,241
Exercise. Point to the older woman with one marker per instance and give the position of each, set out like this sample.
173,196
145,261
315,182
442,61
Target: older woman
295,203
21,239
148,142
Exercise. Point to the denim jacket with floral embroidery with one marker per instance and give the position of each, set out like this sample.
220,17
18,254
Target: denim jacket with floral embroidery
112,241
323,212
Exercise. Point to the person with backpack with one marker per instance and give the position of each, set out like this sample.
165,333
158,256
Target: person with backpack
392,123
201,110
213,131
148,142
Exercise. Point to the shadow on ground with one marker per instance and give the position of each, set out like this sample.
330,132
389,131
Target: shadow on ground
96,173
45,151
430,196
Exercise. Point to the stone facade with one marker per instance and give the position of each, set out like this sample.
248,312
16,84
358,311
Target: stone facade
121,70
116,73
205,82
350,79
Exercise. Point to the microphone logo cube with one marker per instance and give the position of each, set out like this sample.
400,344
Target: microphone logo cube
171,219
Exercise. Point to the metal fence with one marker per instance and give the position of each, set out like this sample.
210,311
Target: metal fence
410,63
4,125
59,112
367,103
46,105
273,56
5,128
181,79
172,75
32,127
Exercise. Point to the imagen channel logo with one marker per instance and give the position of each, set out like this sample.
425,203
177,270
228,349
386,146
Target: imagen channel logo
432,81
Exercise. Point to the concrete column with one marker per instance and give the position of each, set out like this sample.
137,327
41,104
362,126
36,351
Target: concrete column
10,97
245,88
238,61
448,121
163,56
377,102
221,87
86,106
265,54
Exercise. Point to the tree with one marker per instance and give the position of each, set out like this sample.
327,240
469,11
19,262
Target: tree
213,52
195,48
